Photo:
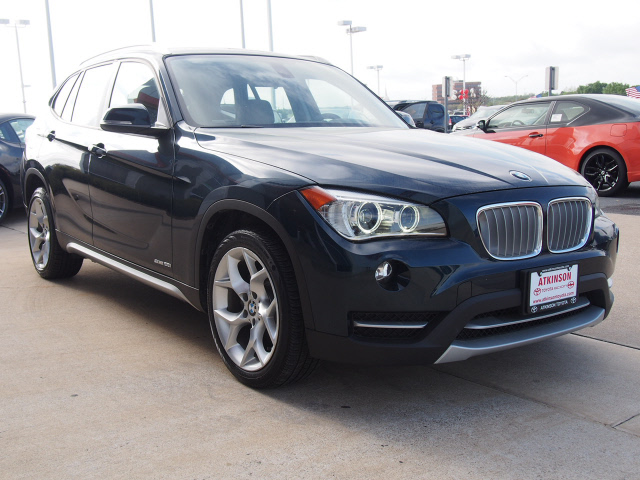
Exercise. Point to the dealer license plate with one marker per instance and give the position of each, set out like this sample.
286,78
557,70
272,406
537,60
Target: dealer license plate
552,288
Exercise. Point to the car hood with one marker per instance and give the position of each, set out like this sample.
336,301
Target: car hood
414,164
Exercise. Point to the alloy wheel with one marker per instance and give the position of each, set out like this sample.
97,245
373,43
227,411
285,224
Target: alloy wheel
245,309
4,201
603,172
39,233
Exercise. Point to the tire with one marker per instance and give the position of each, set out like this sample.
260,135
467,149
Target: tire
606,171
49,259
4,201
254,311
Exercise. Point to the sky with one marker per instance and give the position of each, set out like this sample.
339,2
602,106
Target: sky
413,40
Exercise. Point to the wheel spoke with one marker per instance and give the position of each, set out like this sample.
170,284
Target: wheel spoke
238,283
229,325
270,320
257,283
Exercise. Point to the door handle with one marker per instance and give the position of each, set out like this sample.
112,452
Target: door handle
98,150
535,135
51,136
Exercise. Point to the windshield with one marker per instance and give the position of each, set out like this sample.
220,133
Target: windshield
259,91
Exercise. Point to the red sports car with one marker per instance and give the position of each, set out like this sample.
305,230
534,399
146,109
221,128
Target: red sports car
596,135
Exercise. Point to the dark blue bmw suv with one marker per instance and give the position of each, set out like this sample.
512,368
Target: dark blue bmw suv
285,199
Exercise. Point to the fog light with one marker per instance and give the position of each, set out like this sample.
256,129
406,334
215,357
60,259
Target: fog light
610,282
393,275
383,271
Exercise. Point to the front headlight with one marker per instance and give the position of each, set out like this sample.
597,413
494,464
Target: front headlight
359,216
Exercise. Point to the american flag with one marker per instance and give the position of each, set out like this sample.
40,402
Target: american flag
633,92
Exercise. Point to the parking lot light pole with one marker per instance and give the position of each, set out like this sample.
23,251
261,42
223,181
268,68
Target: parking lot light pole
464,59
377,68
350,31
516,82
18,24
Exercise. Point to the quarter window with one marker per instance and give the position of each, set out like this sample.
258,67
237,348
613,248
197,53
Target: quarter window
62,97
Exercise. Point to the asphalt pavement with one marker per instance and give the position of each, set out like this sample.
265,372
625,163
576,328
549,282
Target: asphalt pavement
103,377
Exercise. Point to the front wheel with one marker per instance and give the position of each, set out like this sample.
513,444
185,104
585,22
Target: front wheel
254,311
606,171
50,260
4,201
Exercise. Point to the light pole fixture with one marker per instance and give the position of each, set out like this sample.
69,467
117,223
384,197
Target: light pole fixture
464,59
516,82
350,31
18,24
377,68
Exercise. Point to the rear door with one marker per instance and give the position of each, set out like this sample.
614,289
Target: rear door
67,136
523,125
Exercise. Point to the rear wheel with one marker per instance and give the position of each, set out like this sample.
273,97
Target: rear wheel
50,260
4,201
606,171
254,311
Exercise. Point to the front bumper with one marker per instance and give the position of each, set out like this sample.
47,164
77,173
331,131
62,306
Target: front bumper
457,303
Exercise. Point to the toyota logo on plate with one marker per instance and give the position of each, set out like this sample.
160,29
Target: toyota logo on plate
520,175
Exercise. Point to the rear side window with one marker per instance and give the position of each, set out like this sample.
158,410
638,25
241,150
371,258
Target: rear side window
565,112
91,97
7,134
20,126
436,112
63,95
136,83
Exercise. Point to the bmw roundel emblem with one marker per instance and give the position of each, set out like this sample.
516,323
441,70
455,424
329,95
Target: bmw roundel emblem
520,175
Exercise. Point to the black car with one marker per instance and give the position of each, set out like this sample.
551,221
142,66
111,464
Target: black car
289,202
12,130
425,113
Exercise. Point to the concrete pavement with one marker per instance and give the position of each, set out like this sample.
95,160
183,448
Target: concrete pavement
103,377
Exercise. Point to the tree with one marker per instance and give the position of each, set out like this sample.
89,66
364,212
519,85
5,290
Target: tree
595,87
615,88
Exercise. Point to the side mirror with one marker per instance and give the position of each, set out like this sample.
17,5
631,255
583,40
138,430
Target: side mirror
481,125
132,118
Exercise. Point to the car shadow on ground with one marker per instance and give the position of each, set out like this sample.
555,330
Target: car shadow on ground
143,304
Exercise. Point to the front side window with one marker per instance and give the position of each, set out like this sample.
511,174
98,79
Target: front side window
91,96
526,115
136,83
246,91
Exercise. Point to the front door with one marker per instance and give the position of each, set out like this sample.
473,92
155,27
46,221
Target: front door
523,125
131,179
